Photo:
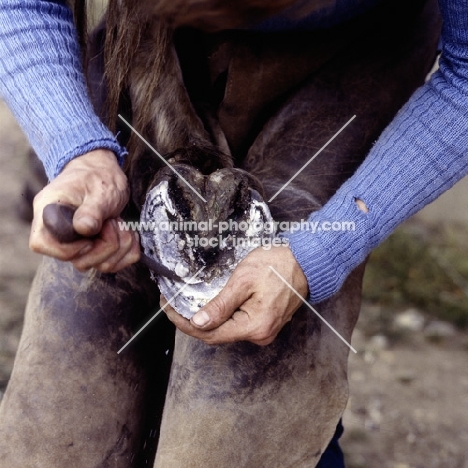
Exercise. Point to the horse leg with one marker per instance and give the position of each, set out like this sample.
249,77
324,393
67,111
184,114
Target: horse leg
72,400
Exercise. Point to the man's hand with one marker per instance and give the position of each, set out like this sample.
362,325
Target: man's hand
254,305
95,184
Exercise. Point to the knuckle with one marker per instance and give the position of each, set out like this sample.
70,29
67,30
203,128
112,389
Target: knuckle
243,281
35,245
126,240
80,267
106,267
39,197
264,335
133,257
64,257
122,183
218,305
268,341
119,191
110,248
211,341
263,343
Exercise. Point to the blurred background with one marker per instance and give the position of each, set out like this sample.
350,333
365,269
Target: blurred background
408,405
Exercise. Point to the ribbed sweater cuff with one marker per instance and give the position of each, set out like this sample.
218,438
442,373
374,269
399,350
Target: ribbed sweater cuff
78,140
328,255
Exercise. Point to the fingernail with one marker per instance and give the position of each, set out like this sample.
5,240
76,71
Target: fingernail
201,318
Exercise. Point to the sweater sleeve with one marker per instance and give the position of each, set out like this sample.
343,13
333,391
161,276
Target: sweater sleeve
421,154
42,82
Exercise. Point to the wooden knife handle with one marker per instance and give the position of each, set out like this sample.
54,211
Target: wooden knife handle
58,219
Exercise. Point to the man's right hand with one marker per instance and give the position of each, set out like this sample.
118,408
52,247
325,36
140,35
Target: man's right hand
95,184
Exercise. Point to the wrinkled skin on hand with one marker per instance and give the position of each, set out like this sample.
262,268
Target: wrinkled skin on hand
254,305
95,184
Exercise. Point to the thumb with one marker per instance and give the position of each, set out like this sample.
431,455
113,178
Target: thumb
222,307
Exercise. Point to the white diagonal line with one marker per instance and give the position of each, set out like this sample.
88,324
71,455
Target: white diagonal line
161,309
311,159
156,152
312,309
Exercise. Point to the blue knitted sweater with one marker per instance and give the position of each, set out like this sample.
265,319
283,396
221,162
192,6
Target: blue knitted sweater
422,153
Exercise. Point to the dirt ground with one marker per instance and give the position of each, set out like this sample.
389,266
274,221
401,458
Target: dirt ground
408,405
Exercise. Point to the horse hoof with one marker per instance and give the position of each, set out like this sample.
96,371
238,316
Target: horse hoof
208,223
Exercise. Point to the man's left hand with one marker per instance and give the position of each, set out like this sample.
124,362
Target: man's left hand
254,305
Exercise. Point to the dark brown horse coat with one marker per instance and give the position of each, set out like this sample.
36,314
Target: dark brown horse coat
270,101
